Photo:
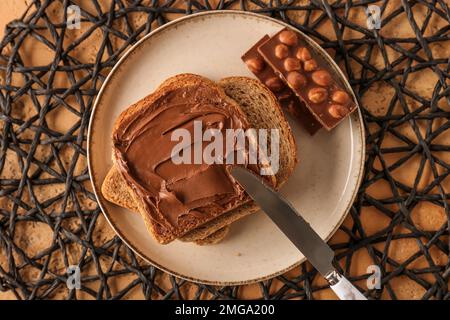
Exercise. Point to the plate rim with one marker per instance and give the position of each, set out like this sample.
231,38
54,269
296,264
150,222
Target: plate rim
118,65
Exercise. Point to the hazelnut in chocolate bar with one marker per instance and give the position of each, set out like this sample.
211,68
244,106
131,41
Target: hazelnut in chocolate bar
264,73
284,94
309,76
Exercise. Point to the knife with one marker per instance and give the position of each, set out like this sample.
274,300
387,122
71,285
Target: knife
291,223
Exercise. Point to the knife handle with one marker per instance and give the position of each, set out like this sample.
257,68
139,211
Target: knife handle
343,288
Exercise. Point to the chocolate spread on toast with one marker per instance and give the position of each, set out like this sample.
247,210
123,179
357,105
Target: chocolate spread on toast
143,148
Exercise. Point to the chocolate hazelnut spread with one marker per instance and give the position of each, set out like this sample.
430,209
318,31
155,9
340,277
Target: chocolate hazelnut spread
143,148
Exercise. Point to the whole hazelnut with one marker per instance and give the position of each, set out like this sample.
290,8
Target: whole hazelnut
275,84
288,37
292,64
281,51
296,79
321,77
255,64
340,97
310,65
303,54
317,95
337,111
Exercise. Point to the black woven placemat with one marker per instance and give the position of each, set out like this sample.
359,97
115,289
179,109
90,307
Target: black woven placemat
34,88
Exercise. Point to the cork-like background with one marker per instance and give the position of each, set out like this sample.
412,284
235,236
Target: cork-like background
36,239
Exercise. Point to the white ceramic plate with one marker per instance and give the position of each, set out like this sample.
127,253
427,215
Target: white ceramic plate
322,187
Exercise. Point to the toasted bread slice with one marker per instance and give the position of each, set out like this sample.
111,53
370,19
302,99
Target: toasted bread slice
263,111
161,231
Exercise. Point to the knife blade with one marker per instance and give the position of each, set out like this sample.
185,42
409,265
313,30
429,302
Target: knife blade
298,231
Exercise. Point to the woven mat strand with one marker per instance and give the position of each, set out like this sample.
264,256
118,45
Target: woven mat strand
49,219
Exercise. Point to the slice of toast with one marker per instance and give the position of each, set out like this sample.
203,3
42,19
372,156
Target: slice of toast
156,222
262,110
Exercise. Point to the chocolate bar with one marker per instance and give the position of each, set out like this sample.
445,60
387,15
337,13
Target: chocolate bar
284,94
309,76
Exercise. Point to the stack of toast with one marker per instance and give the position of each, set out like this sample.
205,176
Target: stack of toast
256,105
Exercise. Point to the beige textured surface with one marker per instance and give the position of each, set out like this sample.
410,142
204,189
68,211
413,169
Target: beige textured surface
33,237
11,9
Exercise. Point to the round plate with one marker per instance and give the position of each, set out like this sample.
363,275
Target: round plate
322,187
